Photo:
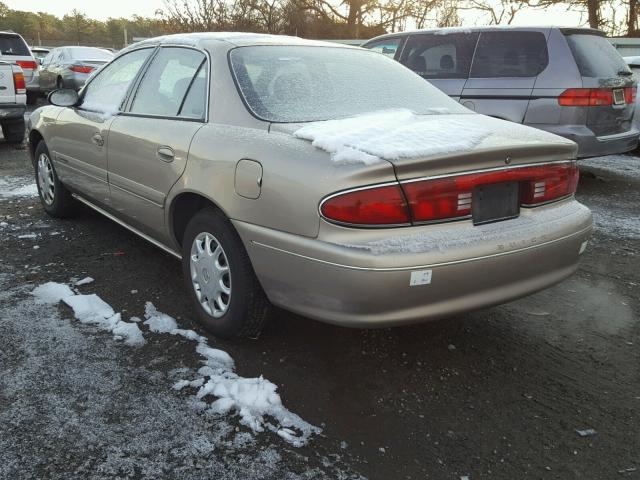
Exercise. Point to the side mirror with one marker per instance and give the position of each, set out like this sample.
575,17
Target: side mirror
65,97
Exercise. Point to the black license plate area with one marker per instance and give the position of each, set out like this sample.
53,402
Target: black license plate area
492,203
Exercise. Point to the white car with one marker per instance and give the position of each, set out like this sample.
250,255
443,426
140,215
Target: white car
13,99
13,49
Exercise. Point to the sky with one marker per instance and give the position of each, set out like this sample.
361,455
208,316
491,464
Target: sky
103,9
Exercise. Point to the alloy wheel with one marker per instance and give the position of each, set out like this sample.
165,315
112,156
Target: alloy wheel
210,274
46,181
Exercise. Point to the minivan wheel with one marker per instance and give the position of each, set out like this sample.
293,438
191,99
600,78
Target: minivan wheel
54,197
226,295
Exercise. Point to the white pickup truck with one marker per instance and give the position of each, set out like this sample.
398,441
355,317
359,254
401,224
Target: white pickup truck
13,101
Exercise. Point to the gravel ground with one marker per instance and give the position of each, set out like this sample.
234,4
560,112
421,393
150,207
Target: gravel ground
496,394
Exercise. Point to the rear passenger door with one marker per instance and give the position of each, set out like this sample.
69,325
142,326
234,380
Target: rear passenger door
504,71
149,142
444,59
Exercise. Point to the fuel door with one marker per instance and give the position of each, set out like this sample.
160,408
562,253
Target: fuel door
248,178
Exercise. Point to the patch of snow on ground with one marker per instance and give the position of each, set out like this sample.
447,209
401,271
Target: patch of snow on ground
255,400
17,187
84,281
390,135
52,292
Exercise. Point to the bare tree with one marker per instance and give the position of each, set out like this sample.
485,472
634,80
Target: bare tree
498,12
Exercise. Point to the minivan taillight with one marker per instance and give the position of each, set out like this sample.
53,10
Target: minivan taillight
376,206
18,82
449,197
593,97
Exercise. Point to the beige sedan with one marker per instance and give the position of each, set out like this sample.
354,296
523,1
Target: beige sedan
323,179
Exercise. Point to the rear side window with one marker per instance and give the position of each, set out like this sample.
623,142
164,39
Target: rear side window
13,45
510,54
437,55
387,47
595,56
165,84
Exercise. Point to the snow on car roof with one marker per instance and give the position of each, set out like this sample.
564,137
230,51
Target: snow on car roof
235,38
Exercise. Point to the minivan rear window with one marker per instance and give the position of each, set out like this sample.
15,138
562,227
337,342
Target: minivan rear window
437,55
510,54
595,56
13,45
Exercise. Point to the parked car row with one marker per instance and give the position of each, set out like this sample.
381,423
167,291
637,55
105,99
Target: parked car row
568,81
45,70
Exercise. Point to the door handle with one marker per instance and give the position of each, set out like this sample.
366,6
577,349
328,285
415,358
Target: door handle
166,154
97,139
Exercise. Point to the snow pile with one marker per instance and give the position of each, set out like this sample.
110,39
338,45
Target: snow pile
90,309
391,135
255,400
17,187
84,281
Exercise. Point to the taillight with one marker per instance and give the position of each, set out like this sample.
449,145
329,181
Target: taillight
383,206
81,69
593,97
27,64
18,82
630,94
586,97
449,197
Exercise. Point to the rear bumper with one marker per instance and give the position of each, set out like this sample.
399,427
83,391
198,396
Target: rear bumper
351,286
589,145
11,111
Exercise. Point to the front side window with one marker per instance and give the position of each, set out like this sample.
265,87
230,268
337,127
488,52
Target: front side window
287,83
387,47
108,88
437,55
172,73
510,54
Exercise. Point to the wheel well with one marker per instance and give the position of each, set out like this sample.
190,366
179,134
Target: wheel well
183,208
34,139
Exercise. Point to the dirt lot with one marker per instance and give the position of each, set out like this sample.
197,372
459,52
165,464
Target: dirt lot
496,394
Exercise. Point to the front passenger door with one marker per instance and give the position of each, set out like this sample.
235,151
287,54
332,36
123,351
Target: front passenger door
81,134
149,142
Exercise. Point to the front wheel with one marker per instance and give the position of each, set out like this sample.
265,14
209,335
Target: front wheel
55,198
226,295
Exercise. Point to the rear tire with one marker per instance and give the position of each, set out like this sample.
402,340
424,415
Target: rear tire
54,197
13,130
213,254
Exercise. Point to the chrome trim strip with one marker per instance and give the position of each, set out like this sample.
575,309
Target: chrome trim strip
485,170
433,265
127,226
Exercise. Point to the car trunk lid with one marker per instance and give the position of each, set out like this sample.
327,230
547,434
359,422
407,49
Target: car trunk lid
604,72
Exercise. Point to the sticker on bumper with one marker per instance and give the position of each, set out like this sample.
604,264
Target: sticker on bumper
420,277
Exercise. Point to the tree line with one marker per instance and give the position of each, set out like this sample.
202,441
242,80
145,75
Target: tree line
306,18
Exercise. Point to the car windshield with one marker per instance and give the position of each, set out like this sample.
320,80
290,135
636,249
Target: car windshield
309,83
88,53
13,45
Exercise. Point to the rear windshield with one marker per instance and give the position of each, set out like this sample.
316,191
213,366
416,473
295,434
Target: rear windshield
87,53
13,45
301,84
595,56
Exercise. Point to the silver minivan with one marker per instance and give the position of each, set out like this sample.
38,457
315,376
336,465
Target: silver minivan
568,81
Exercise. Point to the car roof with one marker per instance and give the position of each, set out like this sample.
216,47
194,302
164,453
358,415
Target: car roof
205,39
488,28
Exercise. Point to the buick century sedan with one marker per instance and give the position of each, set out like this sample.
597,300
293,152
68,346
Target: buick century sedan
327,180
